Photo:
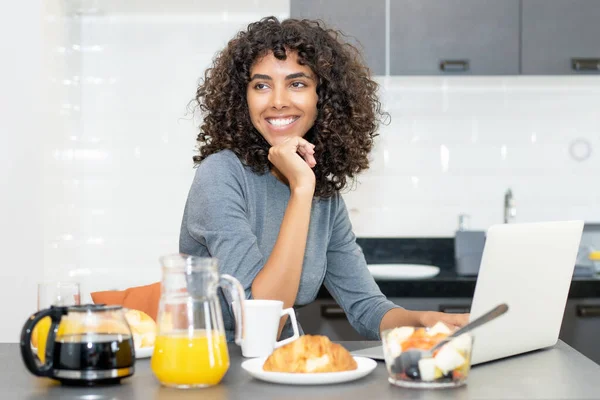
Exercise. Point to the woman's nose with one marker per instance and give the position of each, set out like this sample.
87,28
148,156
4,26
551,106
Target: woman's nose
279,98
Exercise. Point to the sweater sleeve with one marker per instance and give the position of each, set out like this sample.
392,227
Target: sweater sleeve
349,281
216,217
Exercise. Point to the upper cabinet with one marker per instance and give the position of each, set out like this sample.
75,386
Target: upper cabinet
363,20
560,37
432,37
468,37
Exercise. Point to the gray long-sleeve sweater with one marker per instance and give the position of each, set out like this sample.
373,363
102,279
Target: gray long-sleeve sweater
234,215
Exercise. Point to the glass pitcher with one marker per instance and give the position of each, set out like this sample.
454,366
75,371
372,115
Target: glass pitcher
191,349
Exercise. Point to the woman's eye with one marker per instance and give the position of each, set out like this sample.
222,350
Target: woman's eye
298,84
260,86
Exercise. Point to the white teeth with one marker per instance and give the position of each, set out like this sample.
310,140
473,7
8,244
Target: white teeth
281,121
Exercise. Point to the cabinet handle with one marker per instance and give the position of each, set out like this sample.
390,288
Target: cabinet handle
454,308
585,64
588,311
454,65
332,311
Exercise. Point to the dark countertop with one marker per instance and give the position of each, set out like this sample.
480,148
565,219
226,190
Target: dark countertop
440,252
556,373
448,284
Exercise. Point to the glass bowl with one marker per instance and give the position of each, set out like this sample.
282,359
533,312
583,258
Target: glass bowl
410,364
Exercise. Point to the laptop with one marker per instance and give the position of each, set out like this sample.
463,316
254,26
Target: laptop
529,266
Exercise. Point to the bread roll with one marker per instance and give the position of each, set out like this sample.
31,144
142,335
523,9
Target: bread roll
310,354
142,327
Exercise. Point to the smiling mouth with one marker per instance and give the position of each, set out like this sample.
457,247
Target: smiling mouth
280,122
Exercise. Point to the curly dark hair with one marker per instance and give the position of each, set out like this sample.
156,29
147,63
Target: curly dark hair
348,109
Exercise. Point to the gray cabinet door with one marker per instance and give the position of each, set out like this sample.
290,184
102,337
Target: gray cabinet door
560,37
364,21
473,37
326,317
581,327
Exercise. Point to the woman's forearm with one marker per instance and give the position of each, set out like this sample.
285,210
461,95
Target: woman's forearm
280,277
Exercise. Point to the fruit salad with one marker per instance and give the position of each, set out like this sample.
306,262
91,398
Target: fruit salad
410,362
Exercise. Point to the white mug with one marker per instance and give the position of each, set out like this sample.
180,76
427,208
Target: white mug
261,325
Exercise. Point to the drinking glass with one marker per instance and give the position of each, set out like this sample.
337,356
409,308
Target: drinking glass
58,293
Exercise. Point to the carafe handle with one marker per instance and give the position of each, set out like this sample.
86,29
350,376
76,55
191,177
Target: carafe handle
235,289
55,314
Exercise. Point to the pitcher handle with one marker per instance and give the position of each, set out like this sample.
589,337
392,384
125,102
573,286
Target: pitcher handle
235,289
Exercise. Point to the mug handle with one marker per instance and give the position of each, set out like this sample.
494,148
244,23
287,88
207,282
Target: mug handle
55,314
292,314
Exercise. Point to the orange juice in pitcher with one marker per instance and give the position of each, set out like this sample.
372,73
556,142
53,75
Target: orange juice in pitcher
190,350
183,360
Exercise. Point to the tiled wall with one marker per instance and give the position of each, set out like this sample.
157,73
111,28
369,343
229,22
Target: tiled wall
455,145
126,155
27,118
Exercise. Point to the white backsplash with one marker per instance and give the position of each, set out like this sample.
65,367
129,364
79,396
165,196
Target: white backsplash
456,144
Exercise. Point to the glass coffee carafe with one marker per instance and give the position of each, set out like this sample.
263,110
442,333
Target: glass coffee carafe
86,344
191,348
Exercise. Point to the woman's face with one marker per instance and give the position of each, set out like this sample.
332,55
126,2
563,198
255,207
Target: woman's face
282,98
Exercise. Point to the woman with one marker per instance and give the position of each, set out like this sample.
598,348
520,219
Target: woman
289,116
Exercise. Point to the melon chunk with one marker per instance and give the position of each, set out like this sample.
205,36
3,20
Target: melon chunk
440,327
448,359
428,370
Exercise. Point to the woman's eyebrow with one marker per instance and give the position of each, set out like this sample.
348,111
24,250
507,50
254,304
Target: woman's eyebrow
298,75
290,76
261,76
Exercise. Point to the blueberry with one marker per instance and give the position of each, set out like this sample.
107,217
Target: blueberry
397,367
408,363
413,372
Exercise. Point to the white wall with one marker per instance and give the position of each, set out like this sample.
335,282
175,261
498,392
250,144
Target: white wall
97,157
22,115
139,71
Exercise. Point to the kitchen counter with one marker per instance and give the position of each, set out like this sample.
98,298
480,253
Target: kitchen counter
448,284
556,373
439,252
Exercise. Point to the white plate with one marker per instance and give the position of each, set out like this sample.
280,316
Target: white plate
386,272
255,368
143,352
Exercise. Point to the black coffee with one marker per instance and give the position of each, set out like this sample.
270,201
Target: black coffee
93,352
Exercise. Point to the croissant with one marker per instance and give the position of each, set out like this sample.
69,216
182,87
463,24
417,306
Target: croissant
310,354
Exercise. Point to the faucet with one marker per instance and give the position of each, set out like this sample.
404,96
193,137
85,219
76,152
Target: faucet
510,208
